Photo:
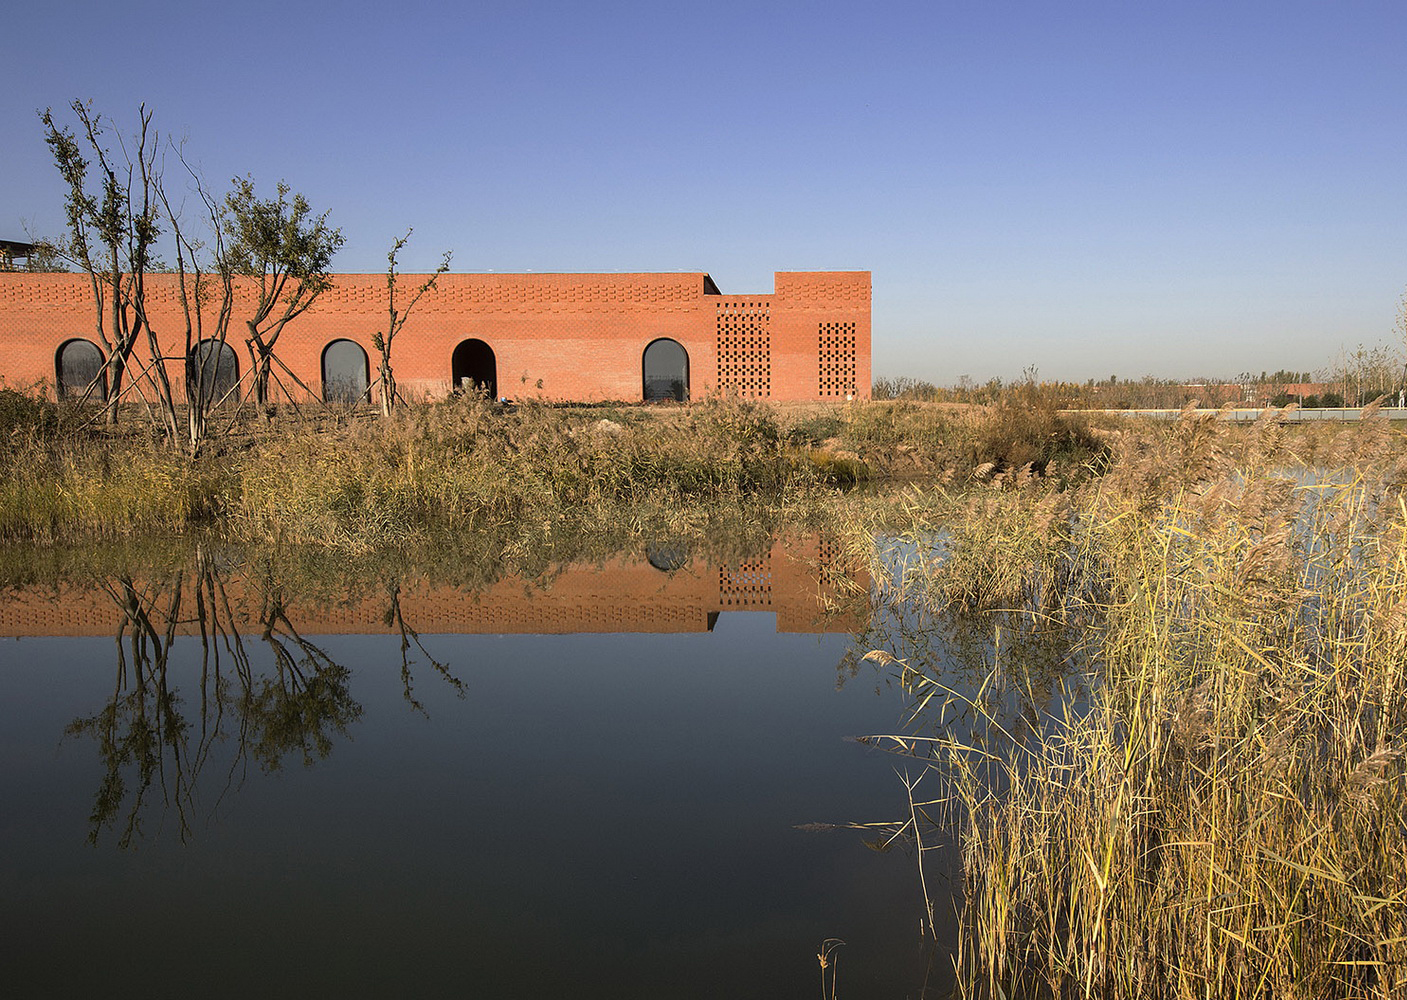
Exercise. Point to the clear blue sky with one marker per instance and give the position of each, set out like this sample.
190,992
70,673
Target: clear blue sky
1168,188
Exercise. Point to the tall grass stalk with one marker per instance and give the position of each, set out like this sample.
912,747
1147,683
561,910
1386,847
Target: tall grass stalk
1224,812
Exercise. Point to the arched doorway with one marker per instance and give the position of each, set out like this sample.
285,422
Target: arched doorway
214,370
78,365
345,372
665,367
473,367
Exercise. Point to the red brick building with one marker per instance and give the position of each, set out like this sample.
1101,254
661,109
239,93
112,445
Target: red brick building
797,580
584,337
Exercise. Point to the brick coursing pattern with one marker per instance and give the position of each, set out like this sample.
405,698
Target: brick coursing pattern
558,336
795,580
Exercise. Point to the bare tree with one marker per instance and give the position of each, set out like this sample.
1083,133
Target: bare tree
111,231
382,342
204,274
288,250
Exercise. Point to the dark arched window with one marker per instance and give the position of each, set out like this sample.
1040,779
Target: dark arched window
345,372
213,370
667,556
665,364
78,365
474,368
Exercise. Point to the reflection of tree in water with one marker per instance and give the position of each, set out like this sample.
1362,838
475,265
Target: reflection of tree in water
137,728
155,746
302,704
410,637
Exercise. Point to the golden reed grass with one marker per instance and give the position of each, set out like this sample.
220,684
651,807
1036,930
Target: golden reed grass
349,479
1222,810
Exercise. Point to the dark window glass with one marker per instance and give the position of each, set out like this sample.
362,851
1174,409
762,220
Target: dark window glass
344,372
214,370
80,365
666,366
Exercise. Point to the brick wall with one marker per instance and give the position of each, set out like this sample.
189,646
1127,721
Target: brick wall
794,581
581,336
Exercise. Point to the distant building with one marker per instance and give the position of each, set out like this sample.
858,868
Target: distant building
580,337
12,252
1302,390
1212,394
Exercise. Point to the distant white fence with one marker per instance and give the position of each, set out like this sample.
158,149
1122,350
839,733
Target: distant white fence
1300,415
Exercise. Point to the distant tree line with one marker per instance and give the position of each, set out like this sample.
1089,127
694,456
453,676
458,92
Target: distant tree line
1354,378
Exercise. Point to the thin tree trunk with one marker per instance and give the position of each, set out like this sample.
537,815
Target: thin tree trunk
114,389
388,387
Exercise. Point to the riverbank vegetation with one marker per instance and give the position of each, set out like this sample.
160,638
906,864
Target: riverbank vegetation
1174,765
1207,797
347,478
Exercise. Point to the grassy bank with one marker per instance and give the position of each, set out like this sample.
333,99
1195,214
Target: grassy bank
1204,798
1222,810
349,479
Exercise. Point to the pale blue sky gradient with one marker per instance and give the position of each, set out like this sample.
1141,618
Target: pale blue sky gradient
1179,189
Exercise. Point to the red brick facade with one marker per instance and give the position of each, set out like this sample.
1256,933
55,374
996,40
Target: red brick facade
559,336
797,581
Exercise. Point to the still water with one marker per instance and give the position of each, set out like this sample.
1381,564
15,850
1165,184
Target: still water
591,784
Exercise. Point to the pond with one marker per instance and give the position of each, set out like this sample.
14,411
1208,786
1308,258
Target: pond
623,779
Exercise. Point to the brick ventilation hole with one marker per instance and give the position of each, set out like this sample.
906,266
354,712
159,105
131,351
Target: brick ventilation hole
745,349
829,575
835,357
748,585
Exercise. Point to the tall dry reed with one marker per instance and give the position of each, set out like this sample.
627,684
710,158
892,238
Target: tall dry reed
1222,810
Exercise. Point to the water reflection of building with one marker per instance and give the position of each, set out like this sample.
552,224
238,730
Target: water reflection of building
801,582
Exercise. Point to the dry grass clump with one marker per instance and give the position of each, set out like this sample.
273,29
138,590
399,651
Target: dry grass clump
1026,428
1224,812
1022,431
62,489
976,545
350,480
467,464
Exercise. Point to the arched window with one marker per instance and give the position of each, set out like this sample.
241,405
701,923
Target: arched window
667,556
345,372
665,365
474,367
78,365
213,370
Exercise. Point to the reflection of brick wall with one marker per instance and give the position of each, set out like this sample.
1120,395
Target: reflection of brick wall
582,335
793,580
746,586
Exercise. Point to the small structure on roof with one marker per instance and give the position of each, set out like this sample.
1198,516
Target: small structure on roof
12,251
